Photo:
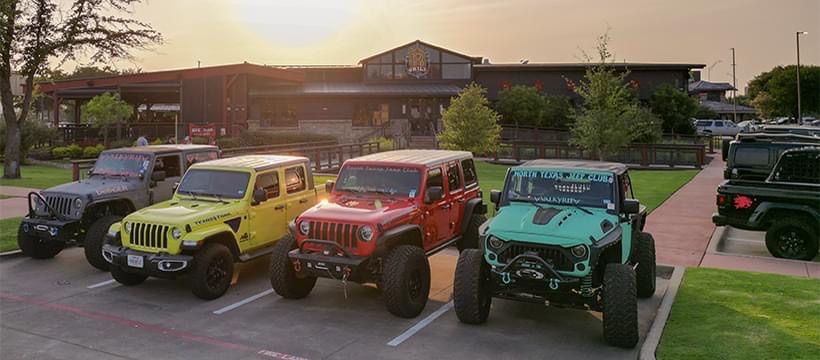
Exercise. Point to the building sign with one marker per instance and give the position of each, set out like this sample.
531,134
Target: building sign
207,131
418,62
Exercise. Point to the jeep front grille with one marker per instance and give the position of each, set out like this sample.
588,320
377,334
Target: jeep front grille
346,235
149,235
60,204
552,255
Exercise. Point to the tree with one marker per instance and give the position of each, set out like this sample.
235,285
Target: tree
675,107
602,124
557,111
33,32
521,105
105,110
774,93
645,126
469,122
704,112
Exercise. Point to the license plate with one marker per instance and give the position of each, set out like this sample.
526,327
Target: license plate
135,261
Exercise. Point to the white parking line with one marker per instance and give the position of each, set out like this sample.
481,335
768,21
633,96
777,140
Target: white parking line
104,283
243,302
420,325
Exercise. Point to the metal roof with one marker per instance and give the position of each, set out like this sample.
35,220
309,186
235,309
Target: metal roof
158,149
439,48
427,158
350,88
724,108
256,162
706,86
576,66
616,168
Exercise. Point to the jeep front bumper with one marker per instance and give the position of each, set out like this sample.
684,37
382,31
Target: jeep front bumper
332,262
51,230
533,271
139,262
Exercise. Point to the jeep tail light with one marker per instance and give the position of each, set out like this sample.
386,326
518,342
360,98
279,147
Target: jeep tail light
721,199
743,202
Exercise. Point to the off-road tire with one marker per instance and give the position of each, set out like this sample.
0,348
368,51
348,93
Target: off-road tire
645,272
620,304
469,239
33,247
212,271
127,278
472,294
94,239
802,246
406,281
283,278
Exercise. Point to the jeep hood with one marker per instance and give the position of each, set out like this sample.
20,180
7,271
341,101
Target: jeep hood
368,210
96,187
552,224
186,212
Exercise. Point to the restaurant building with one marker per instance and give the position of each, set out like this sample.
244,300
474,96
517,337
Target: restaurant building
399,93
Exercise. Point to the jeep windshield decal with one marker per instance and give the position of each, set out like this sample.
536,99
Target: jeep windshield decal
121,164
400,181
560,187
214,183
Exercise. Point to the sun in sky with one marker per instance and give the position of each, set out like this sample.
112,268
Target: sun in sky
298,23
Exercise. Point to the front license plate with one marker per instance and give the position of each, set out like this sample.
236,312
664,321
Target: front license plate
135,261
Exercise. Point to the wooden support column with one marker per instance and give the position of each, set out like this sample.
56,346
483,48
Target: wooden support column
56,100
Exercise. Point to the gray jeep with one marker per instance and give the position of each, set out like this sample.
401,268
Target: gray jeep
121,181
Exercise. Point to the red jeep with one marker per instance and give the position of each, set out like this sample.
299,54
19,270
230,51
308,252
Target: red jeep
386,214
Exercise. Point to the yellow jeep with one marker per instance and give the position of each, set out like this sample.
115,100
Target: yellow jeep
223,211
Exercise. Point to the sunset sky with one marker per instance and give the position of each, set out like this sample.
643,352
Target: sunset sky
345,31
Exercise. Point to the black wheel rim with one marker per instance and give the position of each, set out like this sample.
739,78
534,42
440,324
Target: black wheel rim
414,285
792,243
217,273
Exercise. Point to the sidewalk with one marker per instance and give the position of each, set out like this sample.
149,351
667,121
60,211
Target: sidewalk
17,204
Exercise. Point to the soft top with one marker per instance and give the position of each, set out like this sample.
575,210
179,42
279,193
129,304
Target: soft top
255,162
613,167
427,158
160,149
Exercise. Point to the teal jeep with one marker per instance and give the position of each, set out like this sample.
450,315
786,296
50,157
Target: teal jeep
566,234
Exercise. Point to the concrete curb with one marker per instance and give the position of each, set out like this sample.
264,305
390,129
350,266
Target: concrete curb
719,236
715,240
11,253
653,338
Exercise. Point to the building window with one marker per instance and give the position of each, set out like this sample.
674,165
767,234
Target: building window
455,71
278,113
371,114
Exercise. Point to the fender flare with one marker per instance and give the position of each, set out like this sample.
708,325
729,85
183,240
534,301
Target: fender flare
126,201
391,237
473,206
760,213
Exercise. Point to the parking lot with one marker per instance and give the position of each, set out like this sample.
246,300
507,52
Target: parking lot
62,308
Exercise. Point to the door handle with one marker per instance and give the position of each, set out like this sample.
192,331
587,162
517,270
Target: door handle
302,201
446,206
278,207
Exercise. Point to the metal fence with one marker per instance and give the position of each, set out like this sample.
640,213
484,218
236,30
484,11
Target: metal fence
644,155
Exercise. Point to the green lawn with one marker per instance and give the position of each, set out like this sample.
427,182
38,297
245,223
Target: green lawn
39,177
651,187
8,233
720,314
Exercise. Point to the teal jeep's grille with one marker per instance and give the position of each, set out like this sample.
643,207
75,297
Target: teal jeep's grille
553,255
149,235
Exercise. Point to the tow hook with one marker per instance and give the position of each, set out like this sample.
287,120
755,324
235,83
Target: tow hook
297,266
505,278
345,274
554,284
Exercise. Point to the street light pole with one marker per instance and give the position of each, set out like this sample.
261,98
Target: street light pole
734,92
799,110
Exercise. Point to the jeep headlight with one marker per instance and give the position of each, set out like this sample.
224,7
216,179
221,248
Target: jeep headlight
176,233
39,205
366,233
579,251
127,225
304,227
78,203
494,242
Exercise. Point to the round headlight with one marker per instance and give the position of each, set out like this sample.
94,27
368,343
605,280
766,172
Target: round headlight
78,203
579,251
495,243
38,204
176,233
304,227
127,227
366,233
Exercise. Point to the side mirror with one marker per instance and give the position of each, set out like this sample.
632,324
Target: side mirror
259,196
329,185
631,206
495,196
158,176
433,194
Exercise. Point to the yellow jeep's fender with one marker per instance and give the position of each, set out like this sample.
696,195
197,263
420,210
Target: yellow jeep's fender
217,232
114,228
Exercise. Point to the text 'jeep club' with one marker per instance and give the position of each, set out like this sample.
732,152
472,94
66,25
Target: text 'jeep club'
223,211
387,212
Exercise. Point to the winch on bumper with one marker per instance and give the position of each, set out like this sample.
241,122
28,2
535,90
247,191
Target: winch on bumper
50,230
140,262
333,261
528,269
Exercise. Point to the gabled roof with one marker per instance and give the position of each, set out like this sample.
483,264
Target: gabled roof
439,48
427,158
706,86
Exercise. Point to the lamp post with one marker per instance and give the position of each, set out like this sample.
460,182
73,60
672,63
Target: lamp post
799,111
734,91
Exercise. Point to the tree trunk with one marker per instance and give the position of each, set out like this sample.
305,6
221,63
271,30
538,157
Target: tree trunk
11,162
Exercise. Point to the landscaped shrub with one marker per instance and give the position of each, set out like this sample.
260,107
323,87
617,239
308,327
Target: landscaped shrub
60,152
226,142
122,143
75,151
384,143
92,152
157,141
198,140
42,153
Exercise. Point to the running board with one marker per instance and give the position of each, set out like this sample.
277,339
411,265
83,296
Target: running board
256,253
443,246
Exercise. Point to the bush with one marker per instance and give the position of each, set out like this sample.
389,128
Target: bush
32,133
157,141
224,143
60,152
75,151
384,143
122,143
198,140
43,153
92,152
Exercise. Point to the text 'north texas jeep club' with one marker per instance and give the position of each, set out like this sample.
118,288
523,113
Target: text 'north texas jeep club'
387,212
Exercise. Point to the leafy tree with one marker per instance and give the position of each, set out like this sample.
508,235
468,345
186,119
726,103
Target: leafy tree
557,112
33,32
774,93
603,123
704,112
521,105
675,108
645,126
105,110
469,122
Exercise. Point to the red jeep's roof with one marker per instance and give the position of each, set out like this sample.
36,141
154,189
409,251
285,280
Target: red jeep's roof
428,158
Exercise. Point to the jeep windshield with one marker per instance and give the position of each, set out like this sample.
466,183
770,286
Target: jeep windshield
214,183
121,164
560,187
398,181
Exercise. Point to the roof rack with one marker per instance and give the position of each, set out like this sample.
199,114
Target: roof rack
789,137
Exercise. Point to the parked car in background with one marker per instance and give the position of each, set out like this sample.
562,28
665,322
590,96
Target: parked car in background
748,126
752,156
717,127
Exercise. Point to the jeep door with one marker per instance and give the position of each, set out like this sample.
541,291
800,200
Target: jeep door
455,190
437,223
172,166
299,198
267,218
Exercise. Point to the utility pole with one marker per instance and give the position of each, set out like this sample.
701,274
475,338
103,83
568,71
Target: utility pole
734,85
799,110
